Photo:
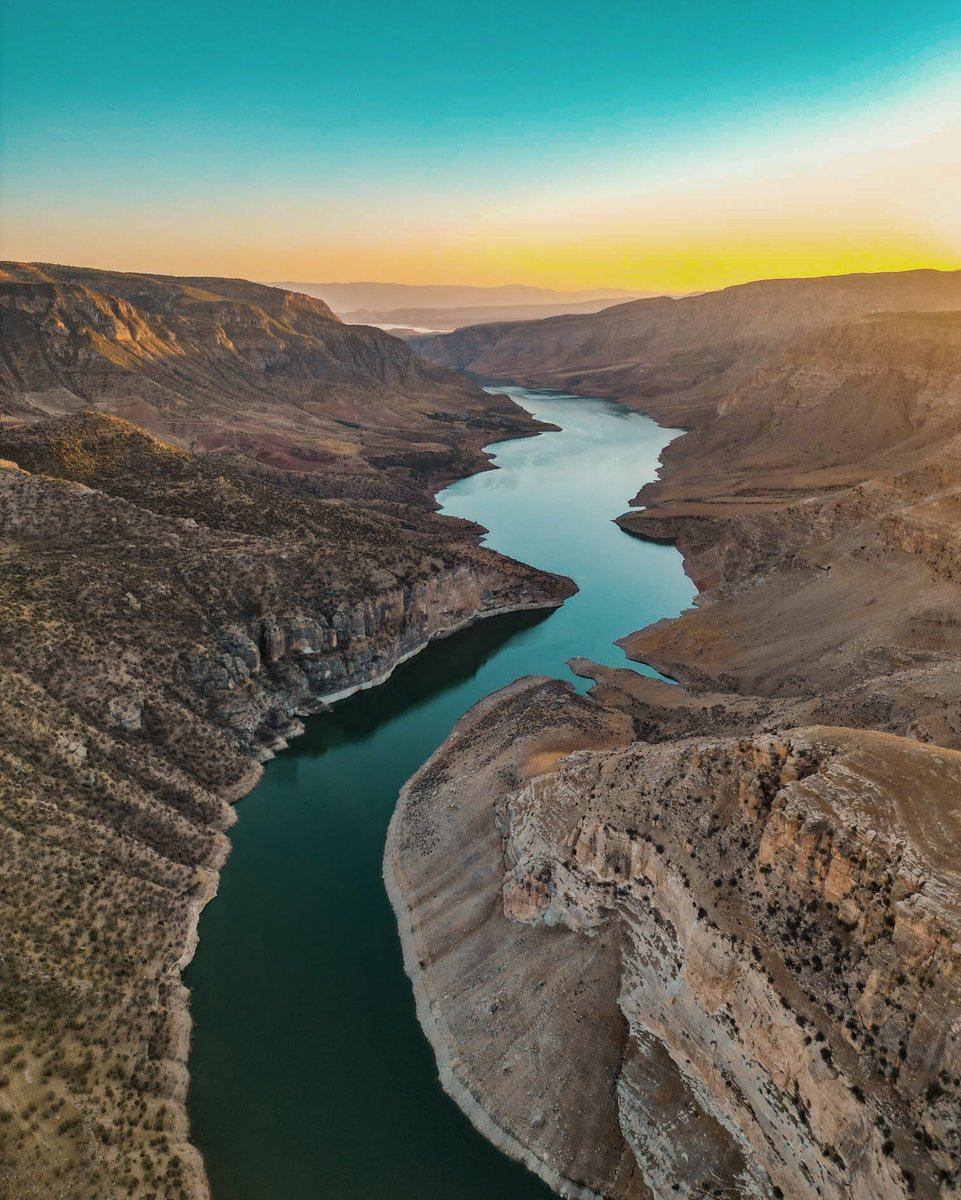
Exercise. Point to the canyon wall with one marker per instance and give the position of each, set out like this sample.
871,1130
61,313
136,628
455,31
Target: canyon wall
676,358
229,365
703,967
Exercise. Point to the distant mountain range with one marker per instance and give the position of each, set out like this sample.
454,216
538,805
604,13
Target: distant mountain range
404,321
383,297
412,308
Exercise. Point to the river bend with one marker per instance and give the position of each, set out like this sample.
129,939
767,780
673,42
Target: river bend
310,1077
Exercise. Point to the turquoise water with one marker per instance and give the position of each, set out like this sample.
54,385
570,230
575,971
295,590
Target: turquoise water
310,1077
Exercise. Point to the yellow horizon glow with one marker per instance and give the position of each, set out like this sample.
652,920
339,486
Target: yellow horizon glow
879,190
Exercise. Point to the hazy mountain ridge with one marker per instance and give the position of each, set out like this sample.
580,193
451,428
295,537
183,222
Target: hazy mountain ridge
455,318
229,364
347,297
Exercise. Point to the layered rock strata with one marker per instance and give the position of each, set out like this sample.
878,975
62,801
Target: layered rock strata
710,966
230,365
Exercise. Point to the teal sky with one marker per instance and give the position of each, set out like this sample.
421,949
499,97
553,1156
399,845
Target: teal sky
307,112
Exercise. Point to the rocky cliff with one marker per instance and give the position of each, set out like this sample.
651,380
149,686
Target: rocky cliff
705,967
225,364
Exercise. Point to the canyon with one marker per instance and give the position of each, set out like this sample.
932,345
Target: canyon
708,942
153,656
298,976
684,938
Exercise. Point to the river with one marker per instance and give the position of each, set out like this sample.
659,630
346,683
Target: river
310,1077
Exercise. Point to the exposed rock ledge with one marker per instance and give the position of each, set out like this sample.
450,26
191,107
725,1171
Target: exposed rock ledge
710,967
261,679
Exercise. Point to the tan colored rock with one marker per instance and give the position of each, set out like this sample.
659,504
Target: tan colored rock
787,913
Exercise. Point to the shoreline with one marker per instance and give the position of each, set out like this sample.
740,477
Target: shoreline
180,1012
181,1018
411,949
443,1055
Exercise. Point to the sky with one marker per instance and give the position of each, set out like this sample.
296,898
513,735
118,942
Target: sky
653,146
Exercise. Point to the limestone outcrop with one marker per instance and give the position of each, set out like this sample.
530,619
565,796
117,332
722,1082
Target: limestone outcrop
710,966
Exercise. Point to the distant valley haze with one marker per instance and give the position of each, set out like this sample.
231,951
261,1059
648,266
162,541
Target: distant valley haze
343,297
426,307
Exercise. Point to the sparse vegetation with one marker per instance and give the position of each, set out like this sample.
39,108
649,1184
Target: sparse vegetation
158,629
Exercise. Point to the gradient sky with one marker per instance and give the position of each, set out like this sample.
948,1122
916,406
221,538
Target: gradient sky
646,145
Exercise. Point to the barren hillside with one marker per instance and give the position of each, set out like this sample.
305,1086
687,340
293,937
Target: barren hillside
677,358
225,364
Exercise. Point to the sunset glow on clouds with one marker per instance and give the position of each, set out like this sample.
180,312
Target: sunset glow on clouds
571,159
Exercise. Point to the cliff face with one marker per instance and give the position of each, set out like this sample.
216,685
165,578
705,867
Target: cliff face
256,676
826,549
165,621
790,965
214,364
705,967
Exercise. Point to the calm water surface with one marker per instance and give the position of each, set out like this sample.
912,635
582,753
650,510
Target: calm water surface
310,1075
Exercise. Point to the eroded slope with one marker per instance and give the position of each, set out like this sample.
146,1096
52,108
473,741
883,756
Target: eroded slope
676,358
215,364
706,967
165,620
827,548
